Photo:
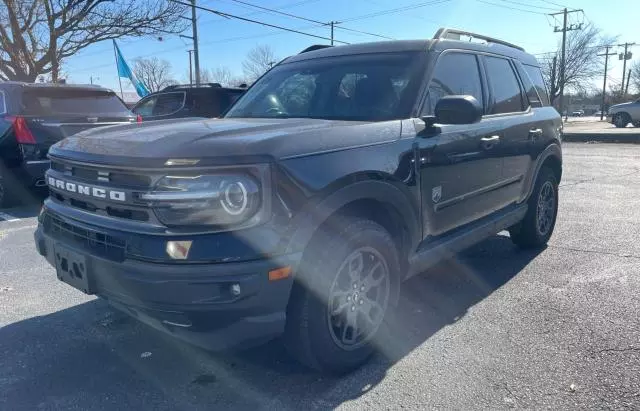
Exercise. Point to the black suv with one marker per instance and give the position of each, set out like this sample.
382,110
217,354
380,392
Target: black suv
178,101
340,173
35,116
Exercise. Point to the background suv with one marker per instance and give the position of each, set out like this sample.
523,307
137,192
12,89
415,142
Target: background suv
35,116
178,101
339,174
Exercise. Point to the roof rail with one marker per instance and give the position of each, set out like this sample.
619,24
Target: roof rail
177,86
315,47
453,34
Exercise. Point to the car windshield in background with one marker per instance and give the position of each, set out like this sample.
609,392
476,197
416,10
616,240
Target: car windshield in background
372,87
52,102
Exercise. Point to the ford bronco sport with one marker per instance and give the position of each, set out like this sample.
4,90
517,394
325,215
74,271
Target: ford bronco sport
338,174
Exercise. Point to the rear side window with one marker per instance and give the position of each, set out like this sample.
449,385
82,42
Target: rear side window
160,104
51,102
455,74
3,103
505,89
535,75
203,103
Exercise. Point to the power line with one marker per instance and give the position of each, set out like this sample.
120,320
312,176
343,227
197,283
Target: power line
395,10
308,19
511,8
233,16
528,5
555,4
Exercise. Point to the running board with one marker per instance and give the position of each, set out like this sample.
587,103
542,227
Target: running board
436,250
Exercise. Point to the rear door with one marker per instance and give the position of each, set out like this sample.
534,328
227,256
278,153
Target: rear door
54,113
460,165
510,110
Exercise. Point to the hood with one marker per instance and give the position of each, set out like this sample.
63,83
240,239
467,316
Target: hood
620,106
239,140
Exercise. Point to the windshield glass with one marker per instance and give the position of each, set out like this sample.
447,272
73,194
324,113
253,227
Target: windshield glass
371,87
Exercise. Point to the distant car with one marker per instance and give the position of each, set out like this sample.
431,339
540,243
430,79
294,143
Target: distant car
620,115
185,100
578,113
35,116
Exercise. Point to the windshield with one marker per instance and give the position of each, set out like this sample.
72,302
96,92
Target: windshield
372,87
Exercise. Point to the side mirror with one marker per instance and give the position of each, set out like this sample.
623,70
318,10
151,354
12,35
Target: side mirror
458,110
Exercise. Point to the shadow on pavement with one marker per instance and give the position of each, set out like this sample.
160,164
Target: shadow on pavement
91,357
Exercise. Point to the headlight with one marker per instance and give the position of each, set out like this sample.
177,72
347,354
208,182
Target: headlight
214,200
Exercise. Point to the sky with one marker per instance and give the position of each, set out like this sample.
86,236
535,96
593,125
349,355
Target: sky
226,42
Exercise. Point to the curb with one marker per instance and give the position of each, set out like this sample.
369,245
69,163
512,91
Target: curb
601,138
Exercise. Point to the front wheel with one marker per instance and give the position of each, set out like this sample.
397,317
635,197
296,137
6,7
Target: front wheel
536,227
347,281
621,120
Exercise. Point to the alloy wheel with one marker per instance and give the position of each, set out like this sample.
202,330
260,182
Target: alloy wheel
358,298
546,208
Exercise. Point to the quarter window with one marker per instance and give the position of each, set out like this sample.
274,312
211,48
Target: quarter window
455,74
505,89
535,75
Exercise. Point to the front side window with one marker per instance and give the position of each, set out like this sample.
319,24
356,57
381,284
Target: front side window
505,89
369,87
160,104
454,74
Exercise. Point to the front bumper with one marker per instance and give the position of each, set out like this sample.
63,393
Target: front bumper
198,303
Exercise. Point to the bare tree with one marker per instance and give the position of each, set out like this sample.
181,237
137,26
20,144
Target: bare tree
582,62
258,61
154,73
37,36
222,75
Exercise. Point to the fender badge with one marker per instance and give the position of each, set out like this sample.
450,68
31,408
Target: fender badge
436,194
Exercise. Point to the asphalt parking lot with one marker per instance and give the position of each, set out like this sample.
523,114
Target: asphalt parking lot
494,328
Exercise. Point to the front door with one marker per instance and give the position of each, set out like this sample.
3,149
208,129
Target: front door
460,165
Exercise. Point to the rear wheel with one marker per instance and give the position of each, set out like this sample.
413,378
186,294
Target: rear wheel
621,120
536,227
348,279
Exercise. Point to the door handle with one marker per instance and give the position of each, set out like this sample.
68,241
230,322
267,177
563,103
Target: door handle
535,133
488,143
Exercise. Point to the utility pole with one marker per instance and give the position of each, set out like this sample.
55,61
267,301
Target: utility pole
554,66
604,81
563,57
190,70
624,57
626,88
332,23
194,28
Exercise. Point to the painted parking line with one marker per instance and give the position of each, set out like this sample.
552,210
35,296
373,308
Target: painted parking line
8,217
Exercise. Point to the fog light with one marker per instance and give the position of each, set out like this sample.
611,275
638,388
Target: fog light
235,289
178,250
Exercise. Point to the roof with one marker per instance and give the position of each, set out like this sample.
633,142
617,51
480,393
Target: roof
444,39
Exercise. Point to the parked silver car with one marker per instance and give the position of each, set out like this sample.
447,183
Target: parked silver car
620,115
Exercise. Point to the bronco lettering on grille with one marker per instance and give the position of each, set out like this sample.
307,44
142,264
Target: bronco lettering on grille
87,190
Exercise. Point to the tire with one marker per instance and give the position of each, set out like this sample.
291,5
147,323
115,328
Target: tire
335,260
532,232
621,120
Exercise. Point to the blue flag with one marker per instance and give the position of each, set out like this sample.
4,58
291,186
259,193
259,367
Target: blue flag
125,71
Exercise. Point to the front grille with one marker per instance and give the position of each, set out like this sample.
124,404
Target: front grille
100,177
96,175
92,241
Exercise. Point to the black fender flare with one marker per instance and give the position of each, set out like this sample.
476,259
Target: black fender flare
315,214
552,150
